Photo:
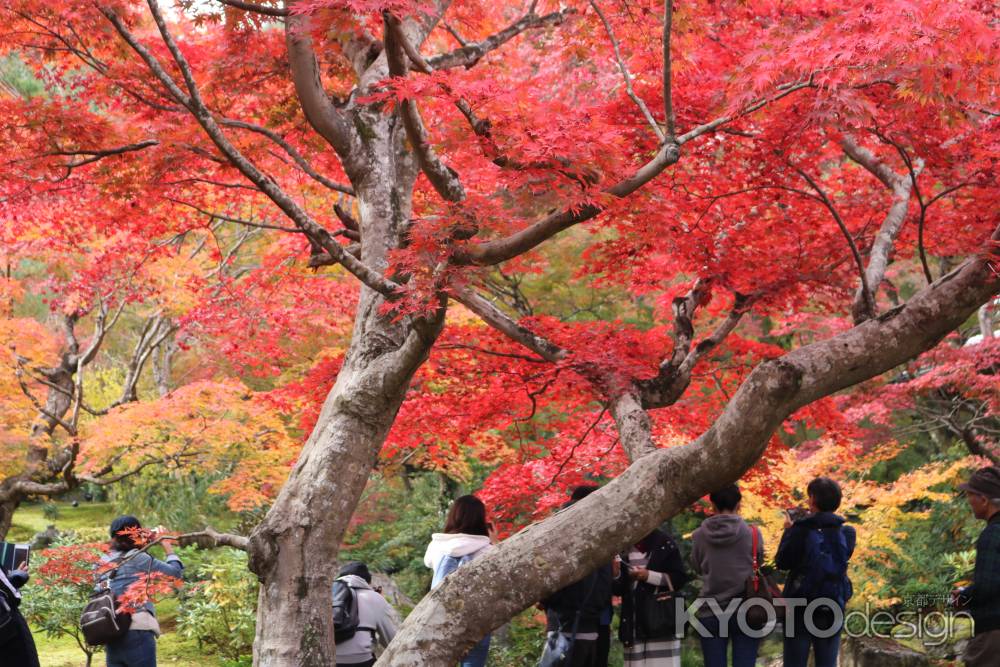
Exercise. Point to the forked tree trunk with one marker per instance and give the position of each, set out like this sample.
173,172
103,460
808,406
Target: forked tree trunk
546,556
294,550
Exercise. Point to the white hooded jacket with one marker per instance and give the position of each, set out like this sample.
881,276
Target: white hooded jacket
374,613
457,545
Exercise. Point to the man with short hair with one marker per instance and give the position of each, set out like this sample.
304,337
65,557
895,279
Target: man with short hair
722,552
816,549
375,616
982,492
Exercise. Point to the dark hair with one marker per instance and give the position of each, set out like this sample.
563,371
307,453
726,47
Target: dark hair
727,498
581,492
467,515
119,541
357,568
825,493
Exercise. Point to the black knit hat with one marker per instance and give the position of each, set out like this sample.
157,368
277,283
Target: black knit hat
357,568
123,522
985,482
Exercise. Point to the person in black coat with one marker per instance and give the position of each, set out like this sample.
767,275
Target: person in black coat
17,646
653,564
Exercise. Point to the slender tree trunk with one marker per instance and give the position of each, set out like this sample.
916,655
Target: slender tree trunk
546,556
294,550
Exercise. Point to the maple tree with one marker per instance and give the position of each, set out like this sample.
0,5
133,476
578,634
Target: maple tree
819,168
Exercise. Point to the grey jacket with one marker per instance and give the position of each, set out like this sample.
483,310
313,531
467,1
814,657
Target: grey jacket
721,554
375,615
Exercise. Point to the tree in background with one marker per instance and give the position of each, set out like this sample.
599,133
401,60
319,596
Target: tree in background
744,165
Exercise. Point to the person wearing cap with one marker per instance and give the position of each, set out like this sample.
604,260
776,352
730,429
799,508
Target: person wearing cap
137,648
375,617
982,598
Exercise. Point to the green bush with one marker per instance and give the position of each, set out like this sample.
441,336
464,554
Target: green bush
218,607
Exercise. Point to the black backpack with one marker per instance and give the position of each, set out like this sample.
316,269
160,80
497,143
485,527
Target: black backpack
346,619
100,622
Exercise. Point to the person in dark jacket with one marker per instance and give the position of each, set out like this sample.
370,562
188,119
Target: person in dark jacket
652,565
982,598
574,613
722,552
607,616
17,646
815,549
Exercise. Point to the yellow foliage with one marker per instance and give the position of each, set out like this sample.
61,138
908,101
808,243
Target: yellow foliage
880,508
214,425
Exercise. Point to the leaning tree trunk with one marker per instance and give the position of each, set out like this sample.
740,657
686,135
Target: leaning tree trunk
547,556
294,550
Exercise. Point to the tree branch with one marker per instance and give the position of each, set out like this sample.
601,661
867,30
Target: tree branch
192,100
627,76
444,179
499,320
869,300
292,152
472,52
885,240
668,101
255,8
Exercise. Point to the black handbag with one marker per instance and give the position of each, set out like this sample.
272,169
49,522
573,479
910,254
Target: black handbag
656,611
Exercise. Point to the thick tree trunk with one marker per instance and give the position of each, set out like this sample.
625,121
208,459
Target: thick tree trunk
294,550
551,554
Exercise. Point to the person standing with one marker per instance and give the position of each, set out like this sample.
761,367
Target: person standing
723,554
467,535
375,617
815,550
575,615
651,567
123,566
17,646
982,598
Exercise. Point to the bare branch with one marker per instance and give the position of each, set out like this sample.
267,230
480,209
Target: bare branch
869,301
885,240
472,52
319,110
668,101
256,8
98,154
292,152
500,250
499,320
627,76
711,126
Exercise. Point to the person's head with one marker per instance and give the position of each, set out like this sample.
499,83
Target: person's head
581,492
726,499
357,568
982,491
824,495
467,515
121,541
